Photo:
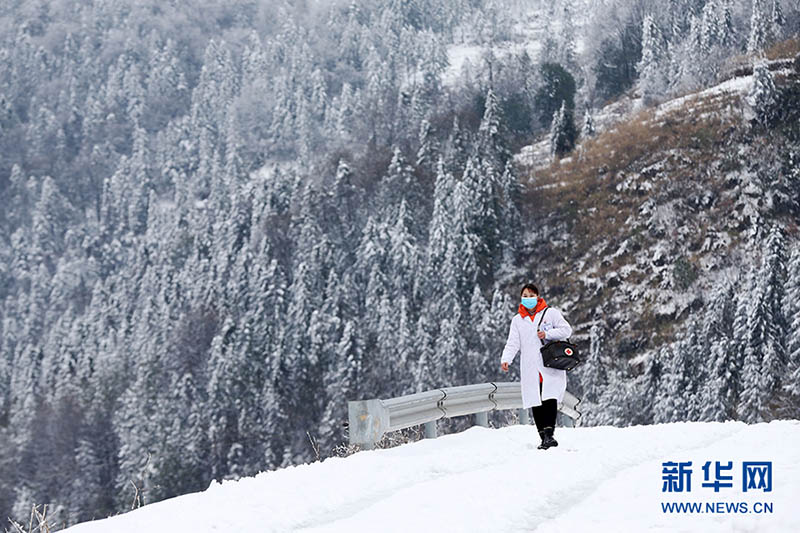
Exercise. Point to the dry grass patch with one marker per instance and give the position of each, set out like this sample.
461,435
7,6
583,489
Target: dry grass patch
784,49
607,179
584,186
742,65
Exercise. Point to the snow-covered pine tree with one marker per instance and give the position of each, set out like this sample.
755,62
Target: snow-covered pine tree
774,361
166,87
720,392
134,423
618,404
759,28
473,227
727,31
381,342
403,254
676,24
672,402
217,86
455,152
20,201
652,82
777,21
710,26
440,231
184,451
491,142
508,216
482,360
694,372
426,147
300,375
487,220
562,132
139,184
792,311
566,54
765,349
593,372
319,95
254,59
371,267
317,359
341,384
88,488
377,93
345,195
695,65
344,108
268,284
404,352
557,87
751,400
51,217
223,393
429,367
763,94
276,417
588,128
5,380
650,383
398,183
500,313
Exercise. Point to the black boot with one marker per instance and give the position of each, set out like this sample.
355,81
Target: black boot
543,445
548,440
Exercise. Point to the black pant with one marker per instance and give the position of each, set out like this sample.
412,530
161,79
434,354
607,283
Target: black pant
545,415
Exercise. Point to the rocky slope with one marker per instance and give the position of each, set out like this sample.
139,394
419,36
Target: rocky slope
632,230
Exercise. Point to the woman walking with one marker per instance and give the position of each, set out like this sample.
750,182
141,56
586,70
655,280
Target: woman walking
542,387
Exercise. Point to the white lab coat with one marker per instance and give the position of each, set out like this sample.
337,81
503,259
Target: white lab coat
522,338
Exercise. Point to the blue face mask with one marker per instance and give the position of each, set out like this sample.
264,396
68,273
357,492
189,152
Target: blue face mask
529,303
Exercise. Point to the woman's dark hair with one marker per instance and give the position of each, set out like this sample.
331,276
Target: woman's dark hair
530,286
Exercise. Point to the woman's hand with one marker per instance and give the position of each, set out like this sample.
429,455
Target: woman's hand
504,367
541,335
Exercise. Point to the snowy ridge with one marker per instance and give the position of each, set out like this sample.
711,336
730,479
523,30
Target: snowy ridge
740,85
600,479
537,155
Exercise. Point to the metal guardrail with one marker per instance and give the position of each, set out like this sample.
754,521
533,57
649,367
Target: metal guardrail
370,419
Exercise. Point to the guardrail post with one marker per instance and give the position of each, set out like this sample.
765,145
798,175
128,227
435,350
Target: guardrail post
524,416
482,419
564,420
368,420
430,429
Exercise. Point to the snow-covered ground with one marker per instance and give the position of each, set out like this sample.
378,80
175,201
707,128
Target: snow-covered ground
534,21
740,85
597,479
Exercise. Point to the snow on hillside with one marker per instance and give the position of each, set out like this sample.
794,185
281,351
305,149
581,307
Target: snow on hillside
538,156
737,86
533,22
597,479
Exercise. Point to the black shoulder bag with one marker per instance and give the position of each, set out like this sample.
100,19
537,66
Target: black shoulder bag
559,354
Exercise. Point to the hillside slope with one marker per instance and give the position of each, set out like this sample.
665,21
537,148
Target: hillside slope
597,479
633,229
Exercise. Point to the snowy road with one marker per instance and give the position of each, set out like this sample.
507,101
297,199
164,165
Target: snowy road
600,479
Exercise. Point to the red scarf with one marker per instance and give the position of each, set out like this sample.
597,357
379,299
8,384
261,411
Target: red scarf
523,311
